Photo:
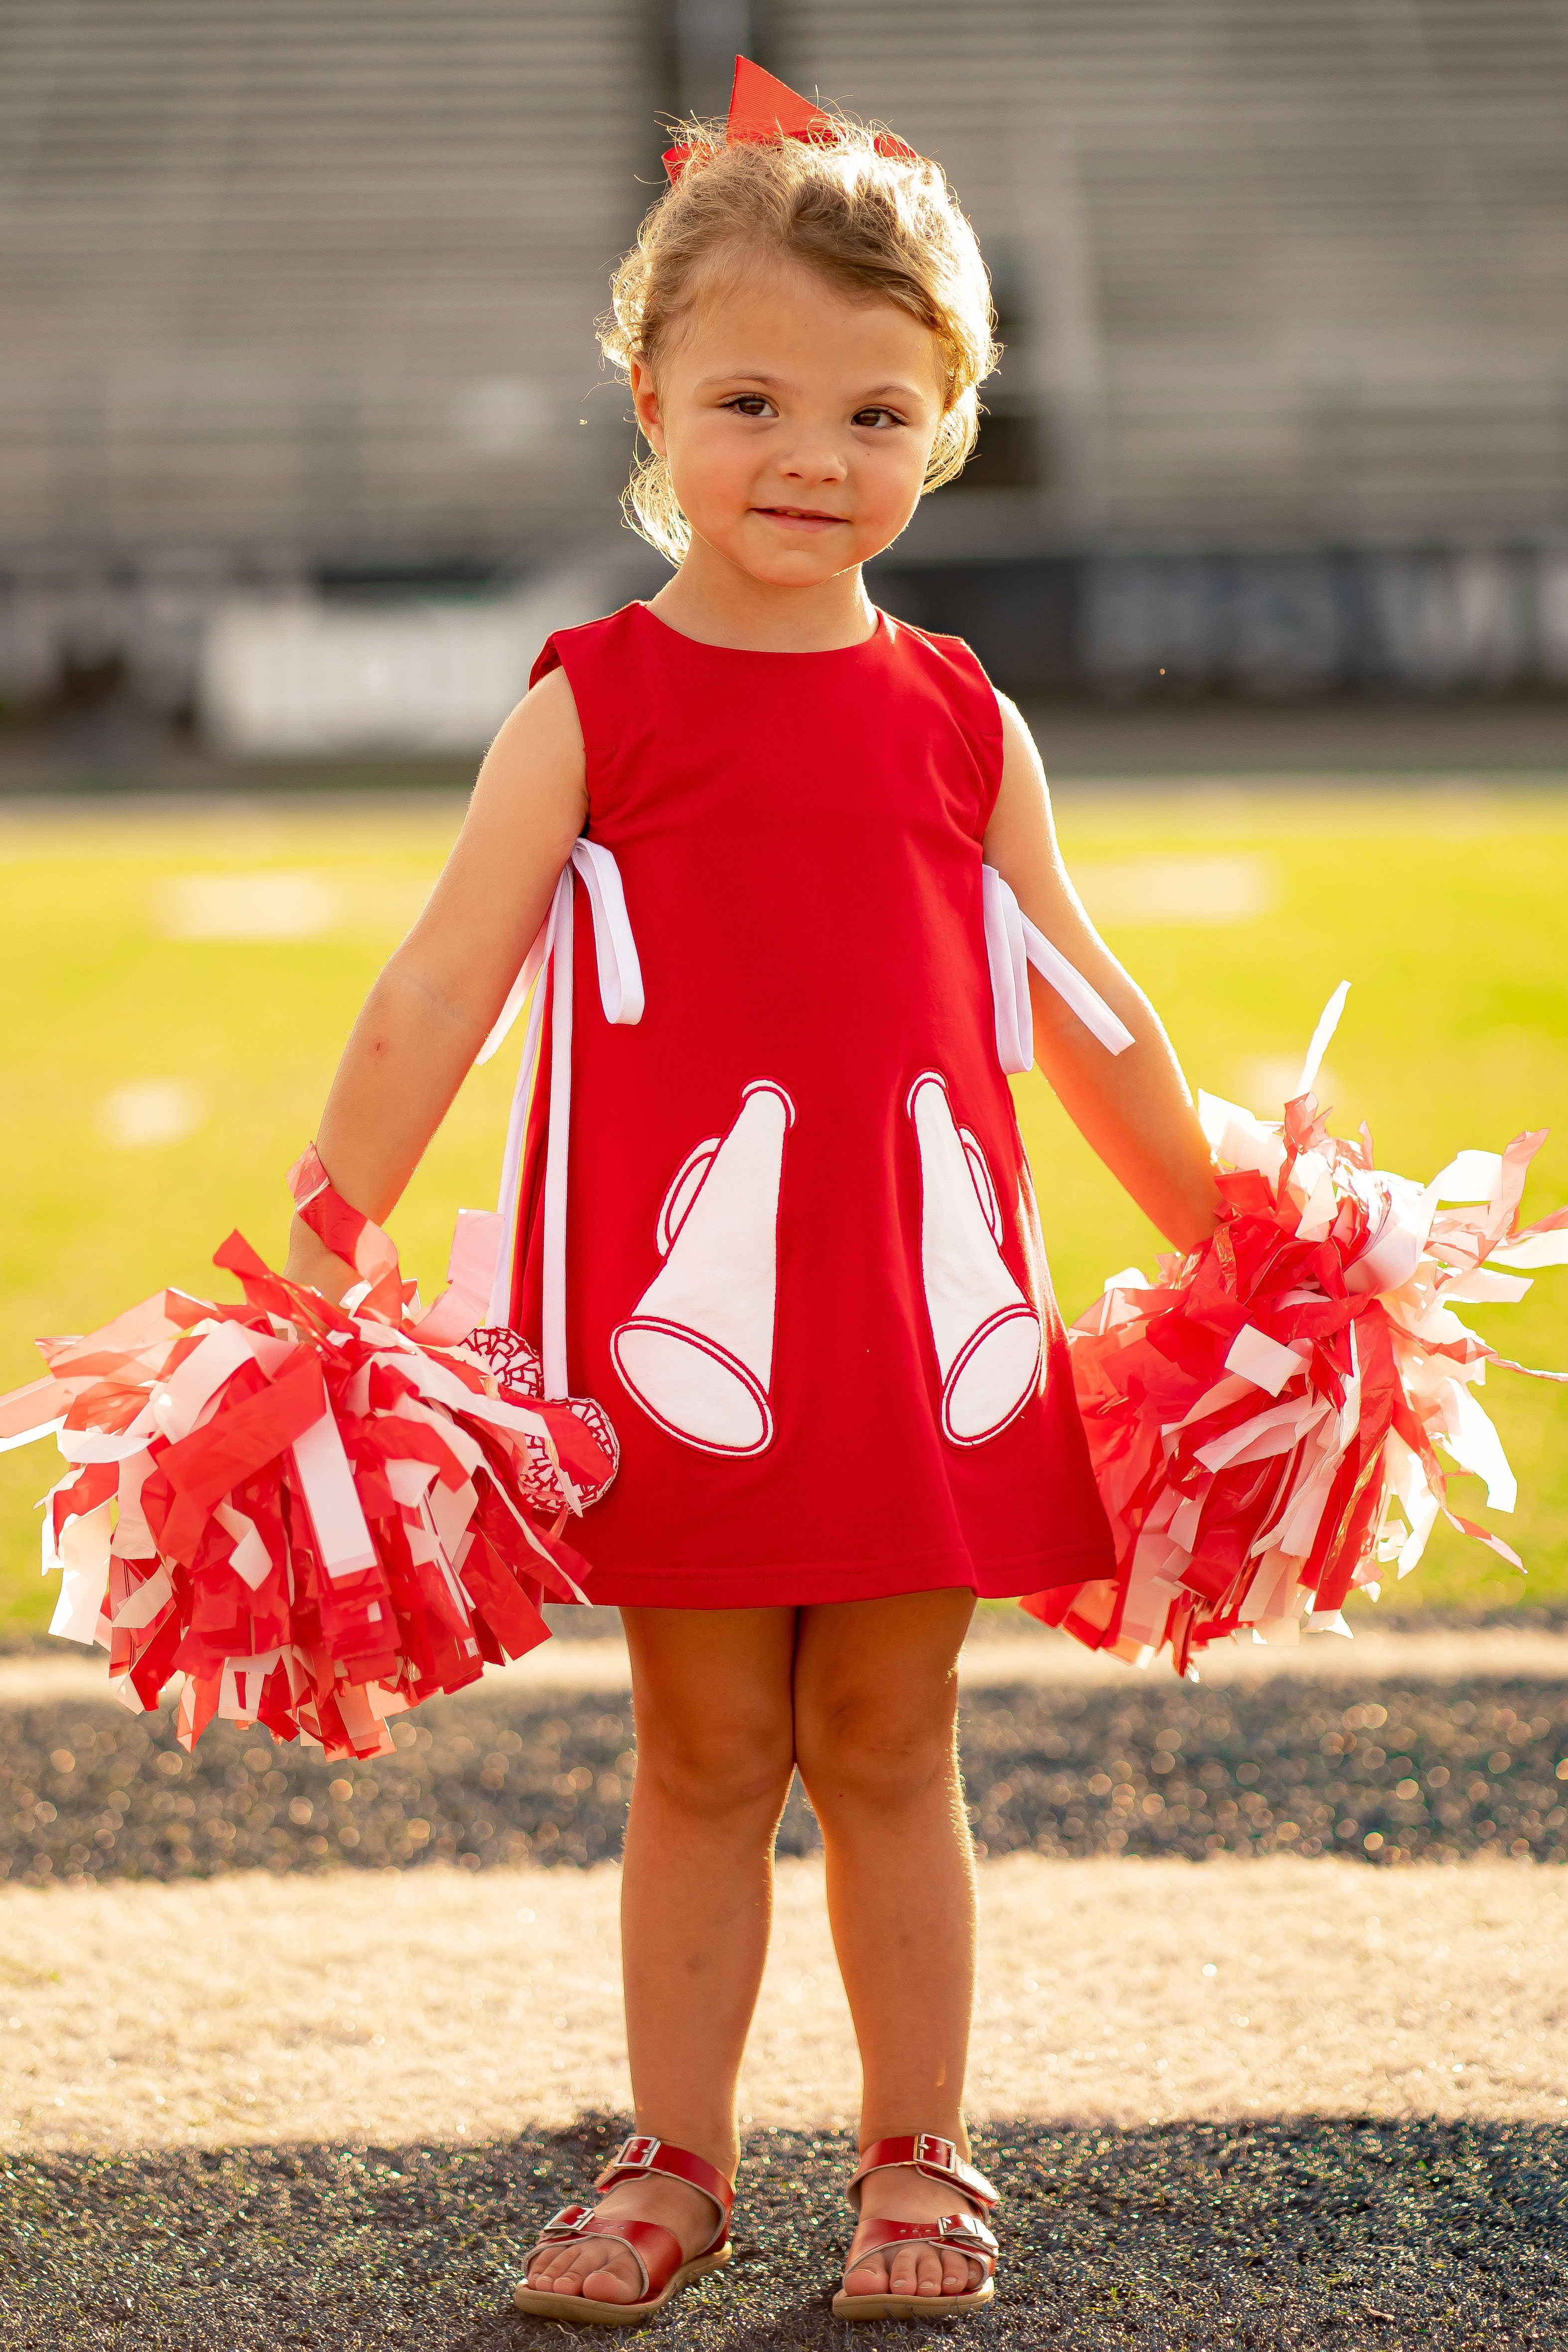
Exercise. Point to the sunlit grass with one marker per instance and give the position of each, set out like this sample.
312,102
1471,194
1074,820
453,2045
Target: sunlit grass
1443,908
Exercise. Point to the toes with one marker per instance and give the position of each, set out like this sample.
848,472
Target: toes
565,2269
869,2277
612,2285
551,2275
931,2273
905,2271
920,2271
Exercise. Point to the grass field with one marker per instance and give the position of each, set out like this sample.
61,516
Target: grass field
160,1072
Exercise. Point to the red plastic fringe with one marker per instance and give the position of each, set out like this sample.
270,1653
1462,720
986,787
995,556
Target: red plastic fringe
1263,1420
314,1514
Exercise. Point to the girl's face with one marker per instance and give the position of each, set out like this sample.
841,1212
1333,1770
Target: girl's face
796,422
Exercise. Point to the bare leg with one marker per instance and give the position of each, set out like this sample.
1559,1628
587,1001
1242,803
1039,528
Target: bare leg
711,1690
876,1694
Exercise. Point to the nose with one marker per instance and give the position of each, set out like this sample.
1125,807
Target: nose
815,456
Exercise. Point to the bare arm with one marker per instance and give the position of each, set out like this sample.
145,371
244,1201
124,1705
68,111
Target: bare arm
1132,1109
436,1002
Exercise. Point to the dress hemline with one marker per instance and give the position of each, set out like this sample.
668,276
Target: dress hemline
803,1587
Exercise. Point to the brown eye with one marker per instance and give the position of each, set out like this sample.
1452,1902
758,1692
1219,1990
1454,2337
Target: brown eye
876,416
750,404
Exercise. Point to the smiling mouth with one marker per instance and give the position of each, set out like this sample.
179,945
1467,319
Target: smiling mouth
800,514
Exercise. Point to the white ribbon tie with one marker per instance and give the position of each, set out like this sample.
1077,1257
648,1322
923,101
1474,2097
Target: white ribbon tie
1012,944
621,994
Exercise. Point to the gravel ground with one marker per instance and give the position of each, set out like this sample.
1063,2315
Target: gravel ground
1296,2234
1302,2226
1425,1772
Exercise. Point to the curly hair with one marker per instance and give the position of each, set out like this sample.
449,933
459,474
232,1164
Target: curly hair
874,222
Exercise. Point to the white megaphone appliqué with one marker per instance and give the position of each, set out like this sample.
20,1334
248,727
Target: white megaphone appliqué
696,1352
988,1335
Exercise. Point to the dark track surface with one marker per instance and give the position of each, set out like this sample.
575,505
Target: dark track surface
1296,2236
1418,1771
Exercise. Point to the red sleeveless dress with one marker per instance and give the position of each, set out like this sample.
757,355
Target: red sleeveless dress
803,1267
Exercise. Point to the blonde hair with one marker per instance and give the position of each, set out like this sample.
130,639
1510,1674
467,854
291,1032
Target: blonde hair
883,226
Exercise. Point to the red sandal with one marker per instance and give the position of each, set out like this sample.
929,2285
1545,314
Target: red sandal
655,2249
937,2160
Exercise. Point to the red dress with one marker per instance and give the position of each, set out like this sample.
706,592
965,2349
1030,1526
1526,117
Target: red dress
803,1267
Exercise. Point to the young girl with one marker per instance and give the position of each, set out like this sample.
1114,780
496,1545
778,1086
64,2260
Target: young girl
802,1267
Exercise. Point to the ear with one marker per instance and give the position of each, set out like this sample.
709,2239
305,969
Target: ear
644,400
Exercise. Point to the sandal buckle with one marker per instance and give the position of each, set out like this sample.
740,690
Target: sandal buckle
638,2152
929,2150
567,2219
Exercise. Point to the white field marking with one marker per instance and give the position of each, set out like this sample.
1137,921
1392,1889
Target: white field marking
992,1663
1268,1084
277,906
287,904
1371,1656
1233,887
993,1659
150,1112
1375,1654
43,1679
433,2004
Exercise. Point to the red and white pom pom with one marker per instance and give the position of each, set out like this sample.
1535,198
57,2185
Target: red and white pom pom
1263,1421
319,1515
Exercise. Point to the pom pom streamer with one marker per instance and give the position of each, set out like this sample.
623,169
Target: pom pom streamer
320,1514
1263,1419
317,1514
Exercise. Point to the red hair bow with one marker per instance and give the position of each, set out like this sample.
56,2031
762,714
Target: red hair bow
762,109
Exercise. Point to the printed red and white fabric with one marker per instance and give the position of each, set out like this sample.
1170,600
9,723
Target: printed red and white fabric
803,1267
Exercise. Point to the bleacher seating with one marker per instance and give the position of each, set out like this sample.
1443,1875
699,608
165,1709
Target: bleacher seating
311,280
1286,269
288,284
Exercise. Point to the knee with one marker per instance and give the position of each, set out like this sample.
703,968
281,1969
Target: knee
719,1765
873,1750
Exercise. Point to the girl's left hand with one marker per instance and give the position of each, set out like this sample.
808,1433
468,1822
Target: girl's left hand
313,1266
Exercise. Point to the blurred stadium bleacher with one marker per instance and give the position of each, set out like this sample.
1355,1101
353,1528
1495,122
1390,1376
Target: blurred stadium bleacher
296,301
